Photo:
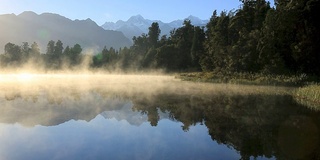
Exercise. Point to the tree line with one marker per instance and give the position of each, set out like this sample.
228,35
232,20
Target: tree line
56,56
283,39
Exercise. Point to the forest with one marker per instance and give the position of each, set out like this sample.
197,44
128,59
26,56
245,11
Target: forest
256,38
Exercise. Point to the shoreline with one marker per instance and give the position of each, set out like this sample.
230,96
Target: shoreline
306,89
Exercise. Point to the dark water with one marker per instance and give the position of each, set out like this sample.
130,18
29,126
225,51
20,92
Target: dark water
142,120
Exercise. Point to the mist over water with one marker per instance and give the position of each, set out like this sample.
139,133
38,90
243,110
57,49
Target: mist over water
148,116
32,99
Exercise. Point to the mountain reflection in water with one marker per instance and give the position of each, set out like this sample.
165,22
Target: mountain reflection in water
152,117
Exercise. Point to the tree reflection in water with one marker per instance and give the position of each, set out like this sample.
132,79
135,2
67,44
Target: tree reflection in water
255,123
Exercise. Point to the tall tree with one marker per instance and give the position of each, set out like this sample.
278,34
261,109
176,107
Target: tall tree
140,45
269,58
217,43
58,48
207,60
66,51
50,47
183,38
35,50
25,48
75,54
34,54
153,34
25,51
246,26
197,48
12,53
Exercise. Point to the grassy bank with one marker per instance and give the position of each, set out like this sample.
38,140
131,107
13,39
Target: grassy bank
247,78
306,93
309,96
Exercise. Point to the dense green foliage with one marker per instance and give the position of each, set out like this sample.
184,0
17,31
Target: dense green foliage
256,38
179,52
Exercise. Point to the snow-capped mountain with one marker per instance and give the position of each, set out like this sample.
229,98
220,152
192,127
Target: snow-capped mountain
132,117
137,25
194,20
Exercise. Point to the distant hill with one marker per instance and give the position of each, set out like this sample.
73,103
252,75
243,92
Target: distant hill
31,27
136,25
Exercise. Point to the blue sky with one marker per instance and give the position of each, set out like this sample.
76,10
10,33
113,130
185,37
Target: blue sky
102,11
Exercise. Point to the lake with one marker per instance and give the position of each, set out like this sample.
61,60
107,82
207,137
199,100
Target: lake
100,116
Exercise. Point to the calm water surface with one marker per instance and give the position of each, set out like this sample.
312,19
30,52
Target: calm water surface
150,117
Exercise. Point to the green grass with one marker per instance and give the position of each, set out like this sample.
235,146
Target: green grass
307,92
247,78
309,96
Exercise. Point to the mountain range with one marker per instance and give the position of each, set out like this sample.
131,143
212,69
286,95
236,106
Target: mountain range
137,25
31,27
127,113
41,28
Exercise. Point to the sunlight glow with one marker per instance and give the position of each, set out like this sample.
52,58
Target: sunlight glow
24,76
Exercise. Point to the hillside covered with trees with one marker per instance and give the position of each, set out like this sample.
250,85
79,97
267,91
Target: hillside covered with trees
256,38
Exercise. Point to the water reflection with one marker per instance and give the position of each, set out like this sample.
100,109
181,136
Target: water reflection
170,120
255,125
